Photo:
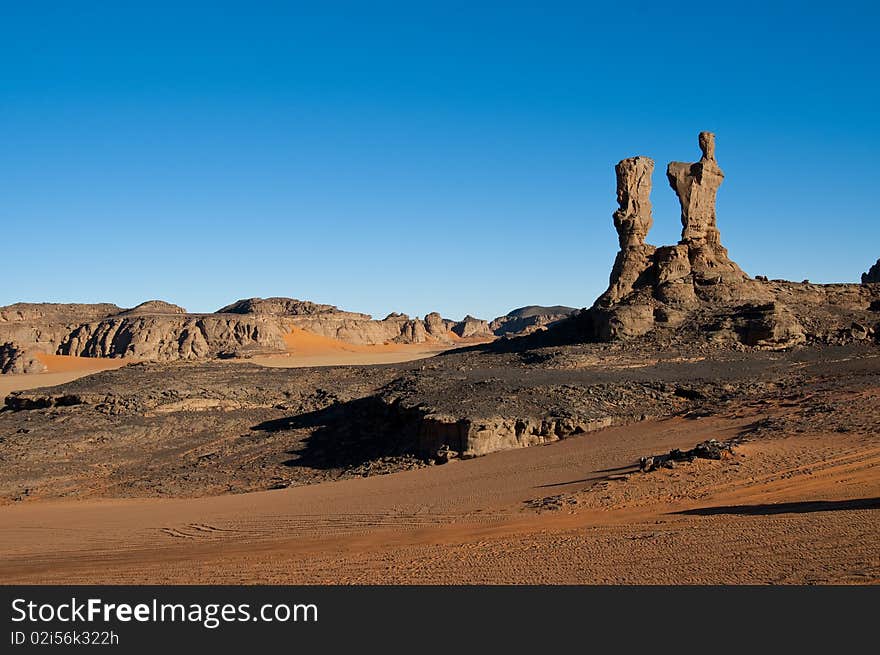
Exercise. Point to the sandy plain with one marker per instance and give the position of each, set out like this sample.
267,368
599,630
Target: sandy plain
784,509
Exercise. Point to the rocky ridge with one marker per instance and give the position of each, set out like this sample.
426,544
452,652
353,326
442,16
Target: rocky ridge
526,320
160,331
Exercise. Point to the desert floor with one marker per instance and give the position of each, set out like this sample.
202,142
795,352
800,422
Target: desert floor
785,509
797,502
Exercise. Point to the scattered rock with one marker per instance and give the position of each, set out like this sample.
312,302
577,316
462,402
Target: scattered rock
711,449
444,454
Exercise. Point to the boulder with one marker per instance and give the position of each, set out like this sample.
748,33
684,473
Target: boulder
769,326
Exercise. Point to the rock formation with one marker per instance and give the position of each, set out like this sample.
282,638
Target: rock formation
40,327
873,274
471,327
632,220
696,186
167,337
662,287
526,320
362,329
153,307
283,307
14,359
160,331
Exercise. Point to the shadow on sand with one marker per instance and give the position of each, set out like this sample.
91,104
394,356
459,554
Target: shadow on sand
804,507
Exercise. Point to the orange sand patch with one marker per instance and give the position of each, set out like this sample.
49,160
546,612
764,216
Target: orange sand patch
59,369
69,364
306,349
303,342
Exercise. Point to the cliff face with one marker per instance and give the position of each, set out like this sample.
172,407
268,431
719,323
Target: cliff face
177,336
694,286
40,327
873,274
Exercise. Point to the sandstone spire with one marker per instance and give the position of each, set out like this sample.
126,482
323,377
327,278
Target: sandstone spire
696,186
632,220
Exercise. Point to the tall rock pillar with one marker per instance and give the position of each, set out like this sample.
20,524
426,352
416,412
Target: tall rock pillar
696,186
632,220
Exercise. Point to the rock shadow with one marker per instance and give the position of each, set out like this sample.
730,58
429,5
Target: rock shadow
347,434
804,507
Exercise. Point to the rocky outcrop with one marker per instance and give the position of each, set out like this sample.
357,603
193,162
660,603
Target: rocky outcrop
666,286
362,329
471,327
14,359
284,307
160,331
173,337
55,312
153,330
40,327
472,438
153,307
526,320
632,220
873,274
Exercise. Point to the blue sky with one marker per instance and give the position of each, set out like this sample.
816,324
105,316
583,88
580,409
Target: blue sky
451,156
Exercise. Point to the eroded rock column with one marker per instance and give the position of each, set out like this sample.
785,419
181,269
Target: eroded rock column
632,220
696,185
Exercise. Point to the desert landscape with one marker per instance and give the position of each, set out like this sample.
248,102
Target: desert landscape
692,425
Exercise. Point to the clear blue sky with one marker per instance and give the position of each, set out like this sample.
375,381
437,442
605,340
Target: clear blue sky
419,156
